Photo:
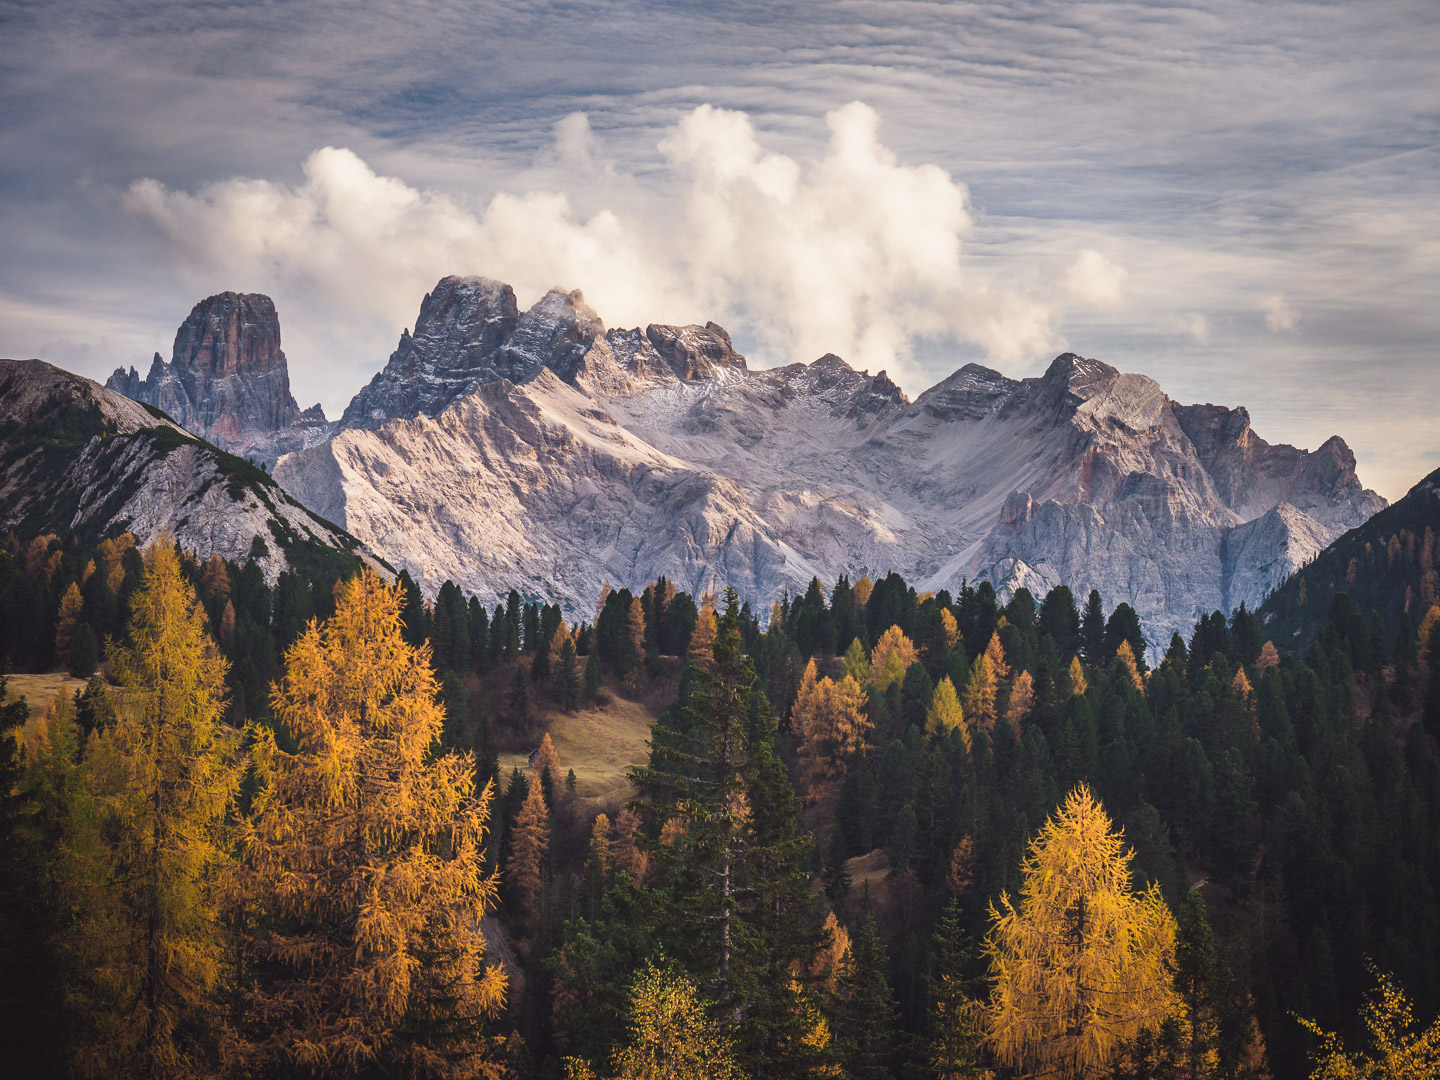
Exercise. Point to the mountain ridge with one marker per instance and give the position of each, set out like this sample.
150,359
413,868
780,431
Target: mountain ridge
76,457
566,433
1084,475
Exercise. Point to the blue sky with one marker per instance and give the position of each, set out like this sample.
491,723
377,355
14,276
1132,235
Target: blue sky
1241,200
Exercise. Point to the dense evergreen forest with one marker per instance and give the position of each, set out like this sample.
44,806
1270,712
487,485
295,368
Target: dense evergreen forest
1389,566
879,833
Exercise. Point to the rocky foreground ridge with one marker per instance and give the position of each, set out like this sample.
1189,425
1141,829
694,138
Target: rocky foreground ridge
78,458
541,450
228,382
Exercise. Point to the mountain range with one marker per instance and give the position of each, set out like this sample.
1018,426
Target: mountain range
540,450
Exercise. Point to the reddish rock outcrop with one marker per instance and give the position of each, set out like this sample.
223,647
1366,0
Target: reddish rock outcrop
227,380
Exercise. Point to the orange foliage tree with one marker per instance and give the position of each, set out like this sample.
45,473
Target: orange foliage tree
1083,964
830,722
167,772
364,880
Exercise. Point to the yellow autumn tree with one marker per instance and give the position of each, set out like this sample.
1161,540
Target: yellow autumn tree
950,628
830,723
945,714
546,758
863,588
600,857
1269,657
65,620
1426,637
1126,655
702,638
529,844
1078,685
364,881
1397,1050
984,685
1083,964
625,853
634,642
891,658
671,1036
1022,701
166,772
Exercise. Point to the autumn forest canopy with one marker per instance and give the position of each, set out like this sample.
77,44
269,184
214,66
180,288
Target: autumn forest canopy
327,827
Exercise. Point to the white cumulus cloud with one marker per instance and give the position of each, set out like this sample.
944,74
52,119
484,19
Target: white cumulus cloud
1279,315
853,252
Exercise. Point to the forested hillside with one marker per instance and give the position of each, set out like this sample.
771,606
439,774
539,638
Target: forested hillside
878,833
1389,568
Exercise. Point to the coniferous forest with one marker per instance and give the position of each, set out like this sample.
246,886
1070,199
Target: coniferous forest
877,834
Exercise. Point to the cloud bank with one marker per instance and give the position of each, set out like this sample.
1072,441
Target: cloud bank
851,252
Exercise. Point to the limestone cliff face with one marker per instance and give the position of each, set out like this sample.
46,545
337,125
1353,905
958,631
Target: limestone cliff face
228,381
76,457
542,449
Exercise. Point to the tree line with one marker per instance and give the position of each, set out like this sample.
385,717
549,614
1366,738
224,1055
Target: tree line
883,833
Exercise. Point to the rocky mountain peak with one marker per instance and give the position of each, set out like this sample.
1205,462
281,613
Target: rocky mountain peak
227,379
556,333
970,394
695,352
462,322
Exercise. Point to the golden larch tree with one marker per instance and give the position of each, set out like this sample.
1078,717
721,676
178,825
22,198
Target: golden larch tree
945,713
1269,657
1126,655
529,844
1022,701
625,853
65,620
1083,964
1426,636
830,723
558,638
863,588
167,772
891,658
950,628
546,758
981,692
364,880
702,638
600,857
1078,685
671,1035
634,642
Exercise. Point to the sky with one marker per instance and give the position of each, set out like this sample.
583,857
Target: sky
1238,199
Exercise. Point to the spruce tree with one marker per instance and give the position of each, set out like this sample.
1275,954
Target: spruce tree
592,677
957,1019
1092,630
865,1008
697,786
568,677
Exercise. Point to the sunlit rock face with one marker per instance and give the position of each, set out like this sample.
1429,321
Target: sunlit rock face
543,451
